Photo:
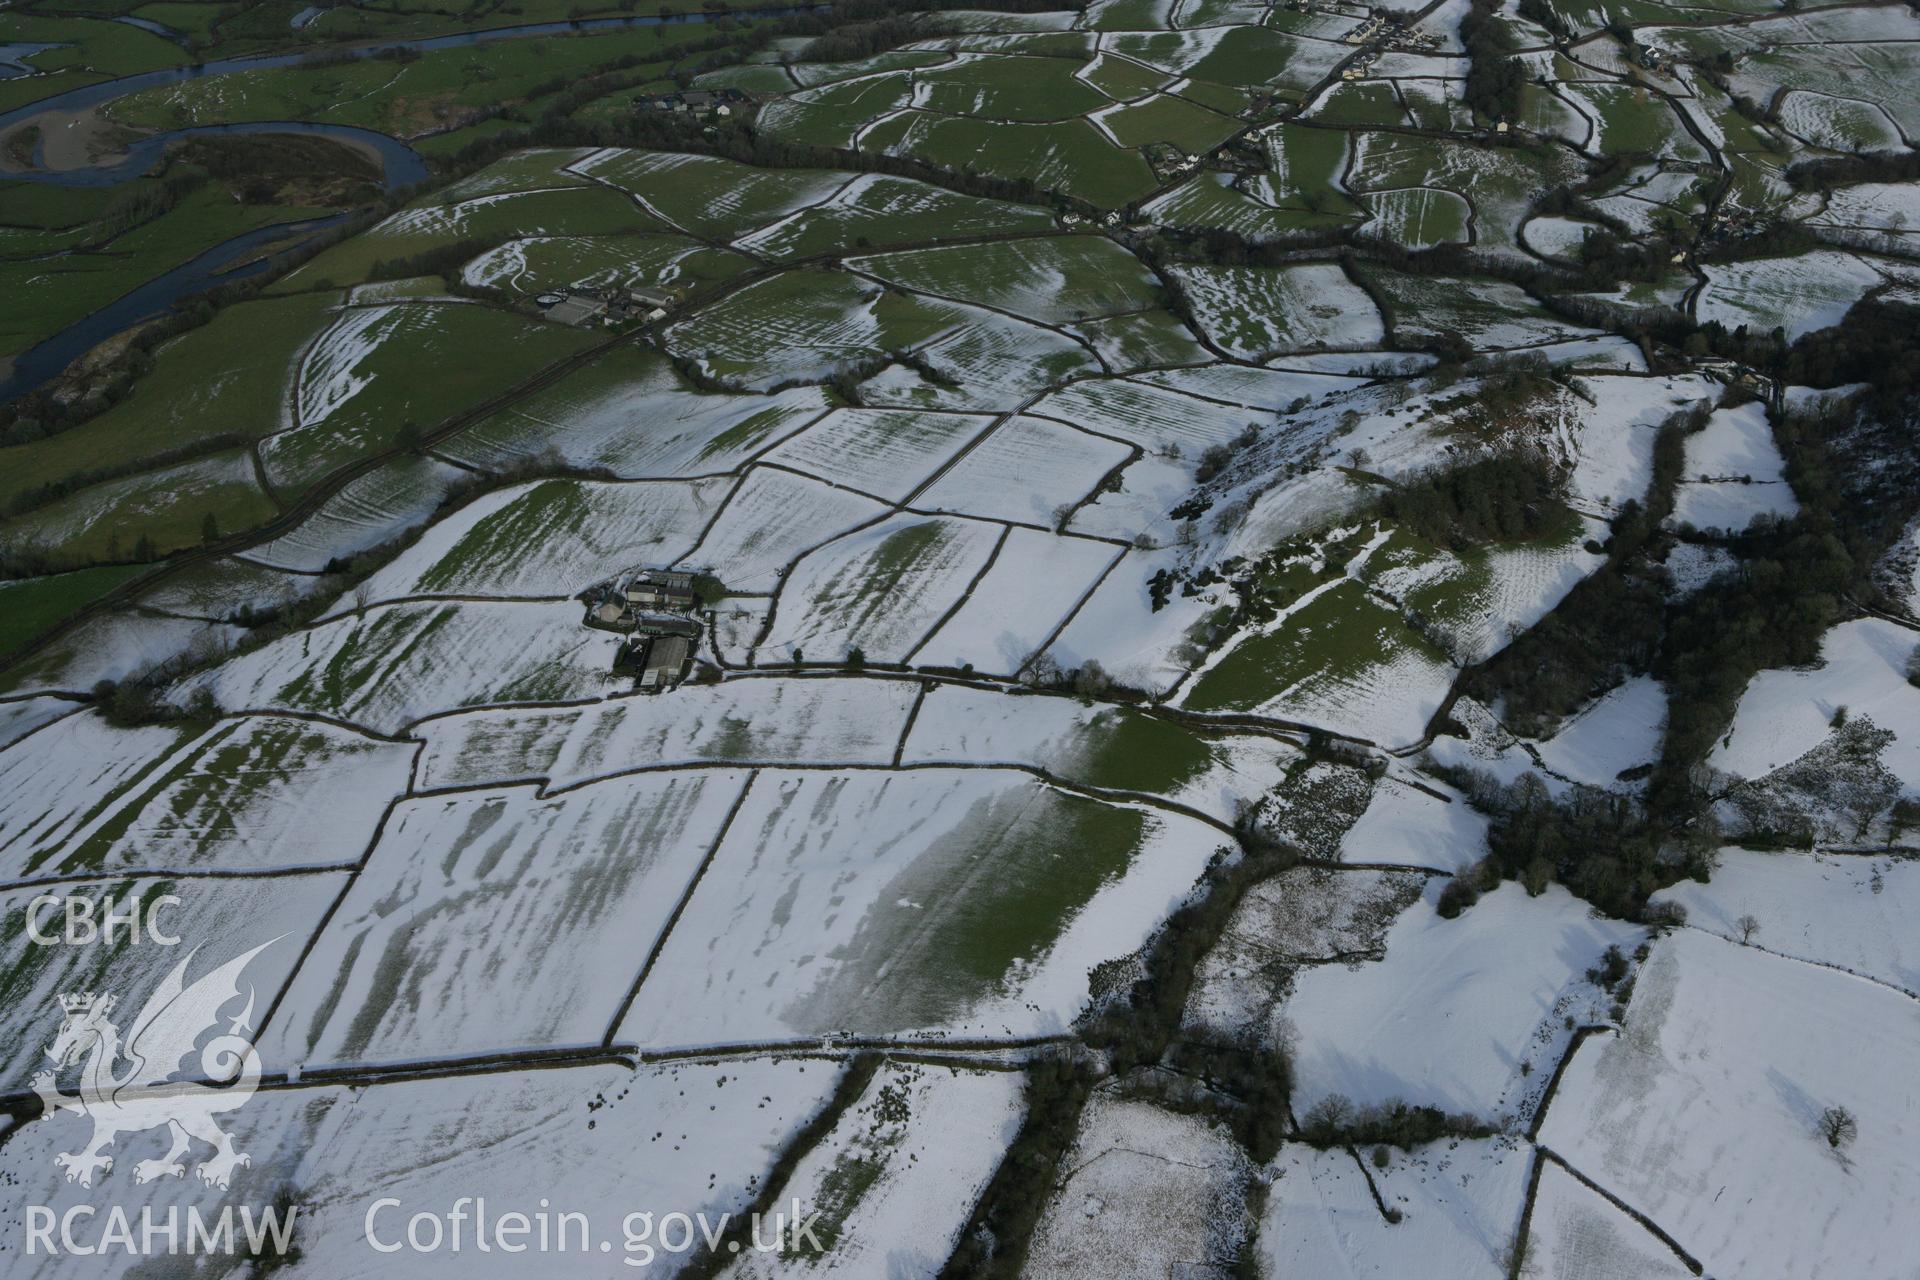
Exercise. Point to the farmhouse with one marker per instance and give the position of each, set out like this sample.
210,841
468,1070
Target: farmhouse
581,304
575,306
1735,374
646,297
621,603
660,587
658,653
653,608
713,102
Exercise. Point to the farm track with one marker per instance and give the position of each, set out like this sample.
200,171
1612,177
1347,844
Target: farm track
565,1057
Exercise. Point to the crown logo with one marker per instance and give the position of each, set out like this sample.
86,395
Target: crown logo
84,1002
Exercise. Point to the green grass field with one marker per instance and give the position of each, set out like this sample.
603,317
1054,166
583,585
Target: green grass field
167,506
1209,200
717,198
528,267
1164,118
1361,103
1144,340
1071,156
1330,640
194,18
1025,89
830,116
432,224
1129,751
45,295
805,322
1122,79
226,379
1048,278
30,605
474,353
1419,217
400,98
91,49
43,205
1635,122
878,210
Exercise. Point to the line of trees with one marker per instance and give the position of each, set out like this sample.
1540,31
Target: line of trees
1495,78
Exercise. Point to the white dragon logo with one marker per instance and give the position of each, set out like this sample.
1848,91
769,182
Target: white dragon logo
148,1095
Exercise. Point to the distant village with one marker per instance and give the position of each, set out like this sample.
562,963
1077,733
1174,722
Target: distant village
655,609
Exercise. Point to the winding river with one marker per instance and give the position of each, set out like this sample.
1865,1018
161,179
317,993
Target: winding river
401,166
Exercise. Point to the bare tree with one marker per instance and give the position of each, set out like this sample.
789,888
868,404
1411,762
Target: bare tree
1838,1127
1327,1117
1747,927
1043,672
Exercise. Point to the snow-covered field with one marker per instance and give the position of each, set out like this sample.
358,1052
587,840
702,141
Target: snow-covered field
1254,312
770,521
1143,1192
1029,591
1301,917
1704,1111
880,589
885,452
58,784
1574,1232
1076,560
1785,713
747,722
261,792
1798,294
1025,470
551,538
1854,912
1619,731
388,665
377,507
850,902
1098,746
1460,1203
1118,627
896,1178
227,918
1412,826
1733,473
475,908
590,420
1468,1015
688,1137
